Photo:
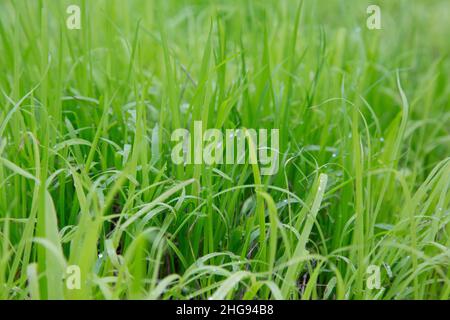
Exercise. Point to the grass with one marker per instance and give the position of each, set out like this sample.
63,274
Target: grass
86,177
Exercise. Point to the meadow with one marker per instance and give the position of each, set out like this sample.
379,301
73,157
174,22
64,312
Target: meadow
92,205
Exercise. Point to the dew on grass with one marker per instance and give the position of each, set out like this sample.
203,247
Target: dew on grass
184,107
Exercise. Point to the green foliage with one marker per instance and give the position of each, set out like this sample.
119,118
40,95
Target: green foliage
86,176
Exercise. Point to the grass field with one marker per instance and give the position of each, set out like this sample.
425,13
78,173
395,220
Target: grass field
92,205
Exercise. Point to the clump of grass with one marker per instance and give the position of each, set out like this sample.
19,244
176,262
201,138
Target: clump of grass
86,177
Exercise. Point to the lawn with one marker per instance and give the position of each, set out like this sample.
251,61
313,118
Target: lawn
241,149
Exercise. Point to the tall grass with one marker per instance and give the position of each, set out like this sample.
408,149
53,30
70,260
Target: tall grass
87,180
